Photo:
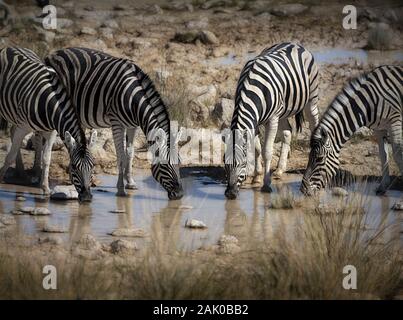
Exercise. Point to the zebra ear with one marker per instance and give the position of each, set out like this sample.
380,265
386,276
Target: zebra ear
93,139
69,141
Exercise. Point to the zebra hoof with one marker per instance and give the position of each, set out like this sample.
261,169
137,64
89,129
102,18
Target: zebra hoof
121,193
277,174
380,191
131,186
266,189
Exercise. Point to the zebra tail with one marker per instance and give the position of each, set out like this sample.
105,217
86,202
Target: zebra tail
3,124
299,120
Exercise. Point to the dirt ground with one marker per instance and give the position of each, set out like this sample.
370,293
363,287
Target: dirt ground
162,38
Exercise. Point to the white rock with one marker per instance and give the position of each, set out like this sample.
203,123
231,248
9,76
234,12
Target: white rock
128,232
88,30
339,192
20,198
208,37
111,24
398,205
40,212
193,223
53,229
27,209
64,193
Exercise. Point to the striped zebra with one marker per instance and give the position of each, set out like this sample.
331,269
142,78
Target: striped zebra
373,100
279,83
114,92
33,99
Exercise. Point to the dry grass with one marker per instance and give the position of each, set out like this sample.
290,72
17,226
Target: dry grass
302,265
285,199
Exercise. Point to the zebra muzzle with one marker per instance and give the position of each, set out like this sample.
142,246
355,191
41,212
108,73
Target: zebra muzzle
231,193
85,196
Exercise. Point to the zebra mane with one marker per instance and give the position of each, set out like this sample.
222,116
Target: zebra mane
155,100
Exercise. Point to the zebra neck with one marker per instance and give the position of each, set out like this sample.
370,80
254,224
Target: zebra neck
155,123
66,120
341,122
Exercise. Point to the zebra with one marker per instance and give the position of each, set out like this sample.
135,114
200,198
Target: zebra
279,83
373,100
114,92
33,99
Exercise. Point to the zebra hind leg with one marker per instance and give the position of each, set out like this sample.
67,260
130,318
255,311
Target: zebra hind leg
130,134
396,133
17,137
258,161
270,135
37,167
384,156
285,148
50,138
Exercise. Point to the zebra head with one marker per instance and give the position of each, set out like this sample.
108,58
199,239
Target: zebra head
236,164
322,164
164,169
81,167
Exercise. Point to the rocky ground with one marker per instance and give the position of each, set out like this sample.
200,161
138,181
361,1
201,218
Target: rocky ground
187,47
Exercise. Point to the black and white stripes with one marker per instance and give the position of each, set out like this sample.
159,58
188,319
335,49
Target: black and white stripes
33,99
279,83
373,100
113,92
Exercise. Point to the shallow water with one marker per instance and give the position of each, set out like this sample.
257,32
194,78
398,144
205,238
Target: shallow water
327,56
248,217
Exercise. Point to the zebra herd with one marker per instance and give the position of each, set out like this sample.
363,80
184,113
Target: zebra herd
76,88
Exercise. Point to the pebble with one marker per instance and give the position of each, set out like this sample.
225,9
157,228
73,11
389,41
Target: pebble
53,229
40,212
128,232
118,211
64,193
20,198
398,206
193,223
27,210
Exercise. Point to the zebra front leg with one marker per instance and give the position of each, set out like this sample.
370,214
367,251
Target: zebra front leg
397,145
37,167
384,156
258,160
17,137
270,135
131,184
119,135
50,138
